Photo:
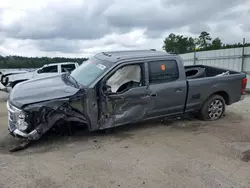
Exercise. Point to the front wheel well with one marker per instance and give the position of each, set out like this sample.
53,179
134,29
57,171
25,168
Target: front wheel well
68,125
13,84
224,95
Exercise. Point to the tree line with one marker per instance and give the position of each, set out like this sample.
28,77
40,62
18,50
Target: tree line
180,44
33,62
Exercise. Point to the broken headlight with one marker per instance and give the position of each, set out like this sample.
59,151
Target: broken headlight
20,123
18,117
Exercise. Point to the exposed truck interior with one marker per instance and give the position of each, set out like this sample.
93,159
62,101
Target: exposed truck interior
125,78
201,71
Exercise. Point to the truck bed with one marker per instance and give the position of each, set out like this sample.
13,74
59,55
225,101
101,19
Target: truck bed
212,81
208,71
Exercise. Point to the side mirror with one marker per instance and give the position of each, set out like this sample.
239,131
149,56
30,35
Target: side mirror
66,70
39,71
107,89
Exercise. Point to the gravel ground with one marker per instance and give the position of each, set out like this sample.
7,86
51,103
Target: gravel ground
188,153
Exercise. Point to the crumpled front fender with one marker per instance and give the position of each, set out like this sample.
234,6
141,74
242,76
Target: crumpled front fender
48,115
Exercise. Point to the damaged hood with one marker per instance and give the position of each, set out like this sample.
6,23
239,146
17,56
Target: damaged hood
38,90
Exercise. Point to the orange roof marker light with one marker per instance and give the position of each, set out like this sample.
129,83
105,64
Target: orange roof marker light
163,67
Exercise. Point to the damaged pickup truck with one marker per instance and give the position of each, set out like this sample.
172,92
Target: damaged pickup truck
117,88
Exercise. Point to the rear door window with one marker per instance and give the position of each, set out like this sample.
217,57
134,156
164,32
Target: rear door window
48,69
163,71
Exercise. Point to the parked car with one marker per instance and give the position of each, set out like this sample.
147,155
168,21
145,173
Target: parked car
12,78
6,73
117,88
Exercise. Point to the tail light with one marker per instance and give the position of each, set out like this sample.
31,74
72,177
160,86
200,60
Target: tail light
243,85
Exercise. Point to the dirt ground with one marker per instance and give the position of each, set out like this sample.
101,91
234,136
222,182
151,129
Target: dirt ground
188,153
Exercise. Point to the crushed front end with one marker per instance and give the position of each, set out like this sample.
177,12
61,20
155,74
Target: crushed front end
17,123
37,119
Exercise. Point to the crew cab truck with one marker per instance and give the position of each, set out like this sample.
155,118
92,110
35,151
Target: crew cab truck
12,78
117,88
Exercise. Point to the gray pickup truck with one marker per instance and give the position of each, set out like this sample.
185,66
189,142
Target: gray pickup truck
121,87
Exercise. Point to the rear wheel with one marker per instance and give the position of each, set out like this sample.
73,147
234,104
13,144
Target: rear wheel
213,109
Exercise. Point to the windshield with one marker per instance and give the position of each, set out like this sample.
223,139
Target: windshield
89,71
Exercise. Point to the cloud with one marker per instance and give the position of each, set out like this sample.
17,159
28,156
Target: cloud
129,40
197,28
164,15
78,48
246,27
82,27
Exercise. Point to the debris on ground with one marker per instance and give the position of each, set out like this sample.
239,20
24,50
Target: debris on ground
23,144
246,156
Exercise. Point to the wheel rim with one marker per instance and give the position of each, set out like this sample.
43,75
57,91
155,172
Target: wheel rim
215,109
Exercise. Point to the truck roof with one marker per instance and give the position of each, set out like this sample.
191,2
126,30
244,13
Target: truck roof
114,56
60,63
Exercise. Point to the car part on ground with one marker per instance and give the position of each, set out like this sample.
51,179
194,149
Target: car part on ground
22,145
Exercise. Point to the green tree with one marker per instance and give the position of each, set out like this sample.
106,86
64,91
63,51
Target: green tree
178,44
192,44
216,44
204,40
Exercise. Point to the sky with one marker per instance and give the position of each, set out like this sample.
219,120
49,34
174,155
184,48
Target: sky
81,28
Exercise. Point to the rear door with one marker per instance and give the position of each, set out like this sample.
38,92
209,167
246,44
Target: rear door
167,88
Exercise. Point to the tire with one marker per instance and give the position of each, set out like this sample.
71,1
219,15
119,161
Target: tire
213,109
195,72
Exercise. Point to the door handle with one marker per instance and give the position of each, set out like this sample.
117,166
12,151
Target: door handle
178,90
145,97
148,96
115,97
153,95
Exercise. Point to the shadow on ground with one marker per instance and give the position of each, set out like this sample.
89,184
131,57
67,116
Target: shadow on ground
246,156
58,139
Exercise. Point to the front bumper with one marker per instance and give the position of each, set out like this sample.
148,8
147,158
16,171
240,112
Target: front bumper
30,136
12,127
